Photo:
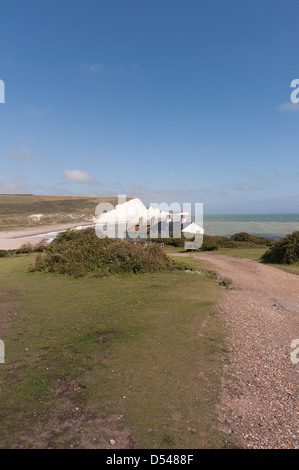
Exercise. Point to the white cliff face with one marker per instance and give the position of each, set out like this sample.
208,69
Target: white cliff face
130,212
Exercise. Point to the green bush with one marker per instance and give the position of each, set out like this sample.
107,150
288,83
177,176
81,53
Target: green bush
238,240
4,254
245,237
226,282
177,242
285,250
81,251
209,244
215,242
39,248
24,249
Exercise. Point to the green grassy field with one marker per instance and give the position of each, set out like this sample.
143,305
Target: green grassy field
250,253
247,252
137,359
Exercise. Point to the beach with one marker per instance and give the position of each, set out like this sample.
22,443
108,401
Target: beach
13,240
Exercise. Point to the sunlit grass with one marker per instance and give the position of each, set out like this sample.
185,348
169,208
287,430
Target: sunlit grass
147,348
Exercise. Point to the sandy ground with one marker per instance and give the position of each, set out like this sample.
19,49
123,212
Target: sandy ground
261,386
15,239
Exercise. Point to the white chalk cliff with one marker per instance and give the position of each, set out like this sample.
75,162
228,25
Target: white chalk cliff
131,212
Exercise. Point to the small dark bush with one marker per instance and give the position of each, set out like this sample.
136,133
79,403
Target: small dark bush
209,244
40,248
241,237
4,254
238,240
245,237
226,282
285,250
215,242
79,252
26,248
177,242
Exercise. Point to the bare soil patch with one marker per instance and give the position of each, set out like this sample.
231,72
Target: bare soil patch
76,426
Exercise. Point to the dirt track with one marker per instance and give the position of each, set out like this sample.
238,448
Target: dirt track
261,314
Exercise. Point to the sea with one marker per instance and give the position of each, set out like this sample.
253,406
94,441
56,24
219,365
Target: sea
263,225
273,226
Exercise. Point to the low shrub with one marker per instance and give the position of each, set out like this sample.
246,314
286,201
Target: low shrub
215,242
238,240
177,242
4,254
209,244
284,251
246,237
79,252
24,249
226,282
40,248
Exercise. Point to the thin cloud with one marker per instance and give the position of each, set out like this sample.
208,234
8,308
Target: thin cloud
143,192
246,187
78,176
26,138
10,188
256,176
97,68
289,107
18,184
93,68
24,154
38,112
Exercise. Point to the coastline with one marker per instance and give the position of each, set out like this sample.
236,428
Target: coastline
12,240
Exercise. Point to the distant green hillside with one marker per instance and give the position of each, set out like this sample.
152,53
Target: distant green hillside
20,211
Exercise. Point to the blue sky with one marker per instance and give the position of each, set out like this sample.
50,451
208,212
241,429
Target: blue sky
166,100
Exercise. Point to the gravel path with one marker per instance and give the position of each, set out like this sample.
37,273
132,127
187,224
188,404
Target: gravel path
261,313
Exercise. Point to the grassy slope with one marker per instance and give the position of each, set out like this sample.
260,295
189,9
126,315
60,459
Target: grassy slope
78,347
247,252
15,209
250,253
